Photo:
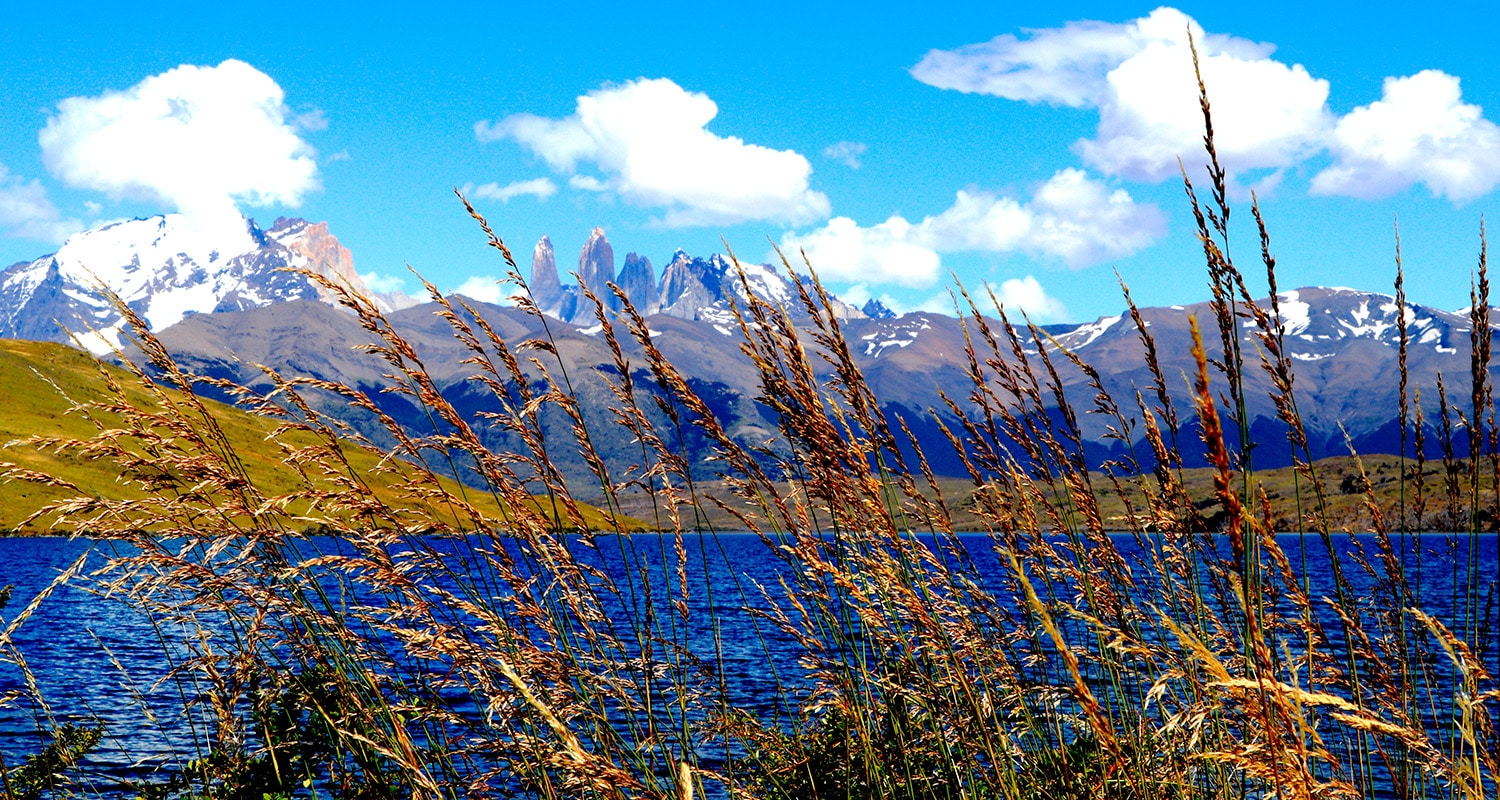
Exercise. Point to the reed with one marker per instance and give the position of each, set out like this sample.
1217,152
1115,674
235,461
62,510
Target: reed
502,638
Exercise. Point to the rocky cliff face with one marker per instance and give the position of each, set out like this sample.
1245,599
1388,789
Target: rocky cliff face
689,285
546,288
596,270
320,251
596,261
638,281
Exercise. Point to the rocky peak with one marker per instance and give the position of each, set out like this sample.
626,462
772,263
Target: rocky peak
596,269
596,262
690,287
690,284
320,252
546,288
874,309
638,281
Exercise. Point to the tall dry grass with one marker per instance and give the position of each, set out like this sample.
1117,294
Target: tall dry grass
1192,653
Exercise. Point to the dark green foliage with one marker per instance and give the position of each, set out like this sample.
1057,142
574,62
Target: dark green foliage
43,773
1083,769
831,756
303,748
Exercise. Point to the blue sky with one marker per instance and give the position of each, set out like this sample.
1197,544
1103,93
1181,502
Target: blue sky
894,142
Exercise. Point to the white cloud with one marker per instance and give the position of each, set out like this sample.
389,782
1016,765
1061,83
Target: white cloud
540,188
1420,131
894,251
199,139
26,212
312,120
1139,74
587,183
846,153
383,283
1083,222
1026,294
859,293
1064,65
648,140
1071,218
485,289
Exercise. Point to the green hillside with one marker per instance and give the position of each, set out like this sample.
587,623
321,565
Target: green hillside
41,381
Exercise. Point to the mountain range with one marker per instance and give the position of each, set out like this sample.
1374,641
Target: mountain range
690,288
224,308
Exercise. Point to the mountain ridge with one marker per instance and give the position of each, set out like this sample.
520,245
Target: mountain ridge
1341,342
1343,345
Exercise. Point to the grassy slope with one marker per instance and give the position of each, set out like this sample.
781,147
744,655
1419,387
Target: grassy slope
39,381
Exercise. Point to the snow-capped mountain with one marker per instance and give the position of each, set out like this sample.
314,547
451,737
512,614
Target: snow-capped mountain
166,268
1343,344
1318,323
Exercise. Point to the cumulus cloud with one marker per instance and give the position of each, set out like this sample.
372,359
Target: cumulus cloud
383,284
649,142
846,153
1071,217
1138,74
1420,131
485,289
1083,222
26,211
199,139
1026,294
894,251
540,188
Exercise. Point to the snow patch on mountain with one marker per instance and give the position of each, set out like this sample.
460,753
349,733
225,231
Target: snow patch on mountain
767,283
1085,335
165,268
1295,314
895,333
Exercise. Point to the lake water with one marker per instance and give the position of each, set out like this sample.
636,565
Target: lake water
96,659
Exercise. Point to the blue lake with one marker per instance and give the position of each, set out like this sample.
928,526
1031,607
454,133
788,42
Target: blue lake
96,659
